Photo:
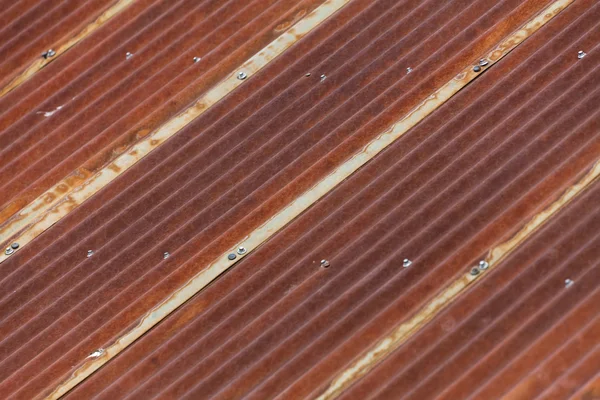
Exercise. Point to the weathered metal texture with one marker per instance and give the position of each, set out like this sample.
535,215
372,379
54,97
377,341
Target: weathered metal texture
61,199
80,113
227,172
531,329
301,203
465,179
59,26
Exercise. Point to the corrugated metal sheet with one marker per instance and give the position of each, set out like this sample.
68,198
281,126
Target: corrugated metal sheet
461,182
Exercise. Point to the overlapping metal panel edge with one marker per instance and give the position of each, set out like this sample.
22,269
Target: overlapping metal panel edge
578,162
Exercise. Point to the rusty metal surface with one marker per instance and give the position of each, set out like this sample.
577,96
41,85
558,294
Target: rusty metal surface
222,175
531,329
80,112
462,181
31,27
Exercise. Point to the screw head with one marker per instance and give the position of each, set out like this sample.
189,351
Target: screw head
323,77
568,282
241,75
15,245
483,265
166,255
581,54
49,53
483,62
307,74
231,256
241,250
324,263
475,271
128,55
477,68
8,251
90,253
197,59
406,263
408,70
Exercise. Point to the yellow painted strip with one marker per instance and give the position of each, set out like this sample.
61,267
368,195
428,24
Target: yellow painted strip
406,330
42,62
300,204
62,198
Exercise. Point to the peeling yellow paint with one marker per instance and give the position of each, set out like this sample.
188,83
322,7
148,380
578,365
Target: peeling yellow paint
42,62
303,202
42,213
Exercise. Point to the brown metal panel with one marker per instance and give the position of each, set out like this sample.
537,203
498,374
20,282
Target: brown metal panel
223,175
462,181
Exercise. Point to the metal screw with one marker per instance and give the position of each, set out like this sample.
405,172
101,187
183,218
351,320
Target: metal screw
15,245
581,54
241,75
483,62
49,53
241,250
8,251
408,70
568,282
90,253
475,271
483,265
128,55
197,59
324,263
166,255
477,68
323,77
231,256
406,263
308,74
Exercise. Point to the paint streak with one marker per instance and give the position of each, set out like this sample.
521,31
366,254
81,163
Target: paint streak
303,202
40,214
85,32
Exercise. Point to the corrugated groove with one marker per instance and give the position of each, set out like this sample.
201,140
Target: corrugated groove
121,100
30,28
507,328
121,233
440,196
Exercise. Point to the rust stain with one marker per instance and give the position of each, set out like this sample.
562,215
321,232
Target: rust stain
85,32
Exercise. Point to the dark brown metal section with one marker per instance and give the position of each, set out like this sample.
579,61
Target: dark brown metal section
230,170
465,179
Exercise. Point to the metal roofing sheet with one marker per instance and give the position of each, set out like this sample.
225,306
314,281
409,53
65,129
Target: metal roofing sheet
464,179
461,182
